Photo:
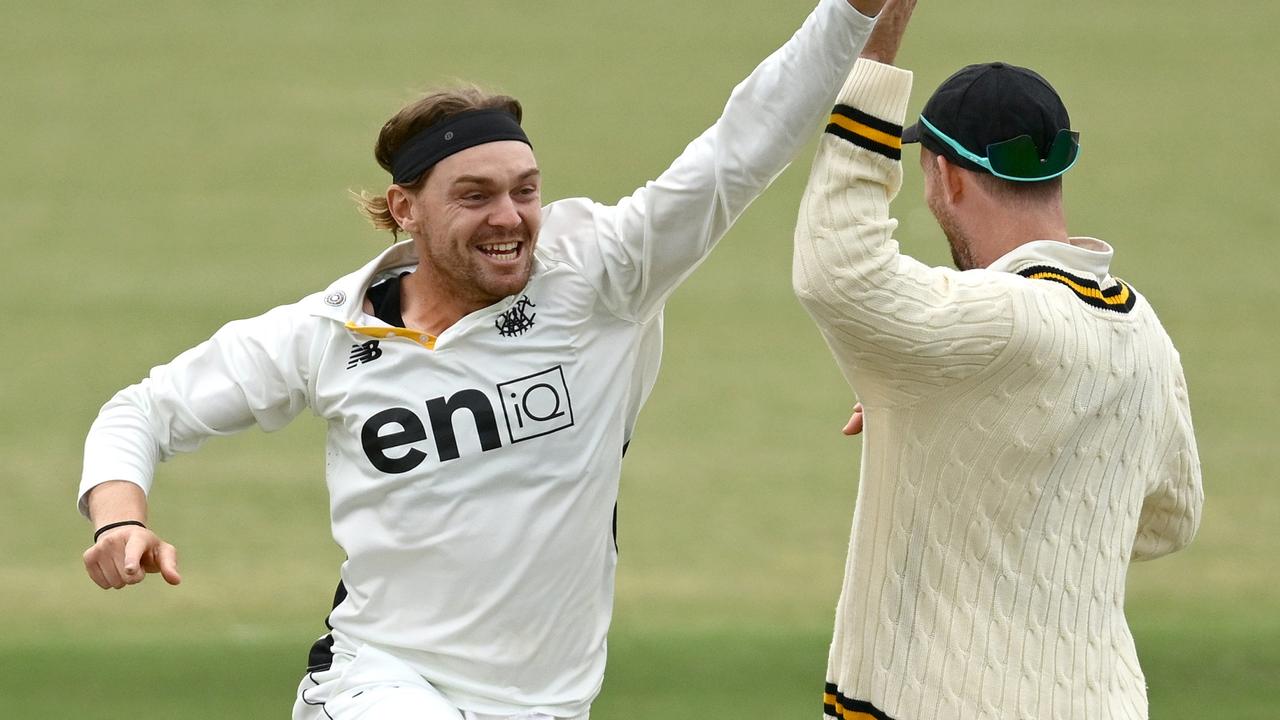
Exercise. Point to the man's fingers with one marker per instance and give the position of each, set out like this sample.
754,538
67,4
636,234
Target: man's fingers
125,557
854,426
123,548
95,573
110,574
134,548
166,557
101,565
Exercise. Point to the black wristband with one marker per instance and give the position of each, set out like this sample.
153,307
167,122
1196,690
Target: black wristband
111,526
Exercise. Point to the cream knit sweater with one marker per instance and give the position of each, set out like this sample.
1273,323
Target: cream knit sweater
1028,435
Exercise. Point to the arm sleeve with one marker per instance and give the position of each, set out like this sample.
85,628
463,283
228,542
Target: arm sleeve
651,240
1171,510
898,329
251,371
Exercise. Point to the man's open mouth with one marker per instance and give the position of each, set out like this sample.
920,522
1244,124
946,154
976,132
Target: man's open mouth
509,250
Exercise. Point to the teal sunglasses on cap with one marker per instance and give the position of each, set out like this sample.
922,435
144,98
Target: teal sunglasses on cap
1018,159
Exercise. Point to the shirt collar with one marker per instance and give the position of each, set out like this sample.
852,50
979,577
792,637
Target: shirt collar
343,300
1081,255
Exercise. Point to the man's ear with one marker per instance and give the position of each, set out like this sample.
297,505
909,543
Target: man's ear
400,205
951,180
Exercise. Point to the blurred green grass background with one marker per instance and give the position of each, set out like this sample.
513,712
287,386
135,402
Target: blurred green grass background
171,166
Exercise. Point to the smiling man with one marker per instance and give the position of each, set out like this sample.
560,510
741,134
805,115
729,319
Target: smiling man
480,381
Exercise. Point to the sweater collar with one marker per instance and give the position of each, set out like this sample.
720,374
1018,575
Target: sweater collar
1081,255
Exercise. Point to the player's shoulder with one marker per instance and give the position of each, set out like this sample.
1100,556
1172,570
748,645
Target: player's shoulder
280,324
568,226
570,216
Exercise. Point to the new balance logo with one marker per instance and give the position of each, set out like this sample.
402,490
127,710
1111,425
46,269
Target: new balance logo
364,353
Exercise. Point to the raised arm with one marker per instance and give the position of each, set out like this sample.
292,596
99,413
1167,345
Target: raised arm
654,238
887,317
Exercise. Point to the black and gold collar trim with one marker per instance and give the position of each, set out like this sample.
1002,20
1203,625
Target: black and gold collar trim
866,131
836,705
1119,298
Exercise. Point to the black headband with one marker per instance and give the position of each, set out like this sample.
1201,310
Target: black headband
464,130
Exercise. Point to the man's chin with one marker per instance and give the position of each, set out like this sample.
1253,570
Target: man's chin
503,285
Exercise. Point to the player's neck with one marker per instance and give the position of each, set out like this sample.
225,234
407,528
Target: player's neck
1001,232
430,305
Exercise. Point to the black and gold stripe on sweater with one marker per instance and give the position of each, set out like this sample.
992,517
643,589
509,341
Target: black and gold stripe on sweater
866,131
1119,298
836,705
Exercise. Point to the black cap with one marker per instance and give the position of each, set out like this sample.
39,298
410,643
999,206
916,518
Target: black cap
990,103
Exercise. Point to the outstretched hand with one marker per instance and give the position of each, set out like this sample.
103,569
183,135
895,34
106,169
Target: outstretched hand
125,555
854,426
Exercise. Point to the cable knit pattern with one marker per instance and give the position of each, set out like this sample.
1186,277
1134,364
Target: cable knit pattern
1021,448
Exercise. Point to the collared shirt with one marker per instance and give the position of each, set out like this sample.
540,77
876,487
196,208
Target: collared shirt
473,475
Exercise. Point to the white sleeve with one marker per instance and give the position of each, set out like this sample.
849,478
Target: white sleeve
647,244
1171,509
251,371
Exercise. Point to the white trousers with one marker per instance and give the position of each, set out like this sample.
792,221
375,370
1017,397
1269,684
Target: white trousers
376,686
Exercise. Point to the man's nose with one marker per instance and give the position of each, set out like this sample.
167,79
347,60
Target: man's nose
504,213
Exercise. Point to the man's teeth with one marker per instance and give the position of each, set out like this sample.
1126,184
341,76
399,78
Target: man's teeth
506,248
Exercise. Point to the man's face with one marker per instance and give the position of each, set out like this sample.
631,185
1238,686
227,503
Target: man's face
476,220
935,198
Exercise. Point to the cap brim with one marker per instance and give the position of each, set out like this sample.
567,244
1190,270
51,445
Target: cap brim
911,134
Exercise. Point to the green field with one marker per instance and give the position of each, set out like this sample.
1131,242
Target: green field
171,166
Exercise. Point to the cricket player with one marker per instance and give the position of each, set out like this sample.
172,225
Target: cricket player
1027,429
480,381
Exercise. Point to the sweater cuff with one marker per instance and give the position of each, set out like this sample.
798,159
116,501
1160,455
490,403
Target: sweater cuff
877,89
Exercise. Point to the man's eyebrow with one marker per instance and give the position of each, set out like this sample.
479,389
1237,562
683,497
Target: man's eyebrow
485,180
